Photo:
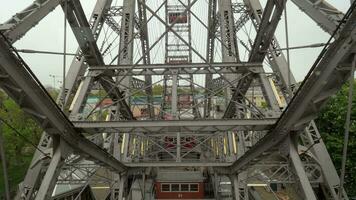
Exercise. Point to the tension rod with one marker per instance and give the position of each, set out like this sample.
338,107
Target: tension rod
44,52
301,47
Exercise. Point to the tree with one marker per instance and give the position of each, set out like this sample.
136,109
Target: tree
331,123
18,149
157,89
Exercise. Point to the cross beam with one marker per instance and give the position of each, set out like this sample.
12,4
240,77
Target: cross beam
191,68
174,126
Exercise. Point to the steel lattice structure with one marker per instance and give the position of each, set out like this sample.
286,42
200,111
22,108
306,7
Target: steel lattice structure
203,121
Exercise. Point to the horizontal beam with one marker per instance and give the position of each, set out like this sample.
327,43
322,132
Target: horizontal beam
17,80
173,126
192,68
177,164
324,79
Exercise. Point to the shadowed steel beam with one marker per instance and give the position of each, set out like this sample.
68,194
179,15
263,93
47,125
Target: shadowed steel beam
168,126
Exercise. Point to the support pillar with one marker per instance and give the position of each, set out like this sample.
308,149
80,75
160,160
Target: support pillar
235,187
304,184
60,152
241,184
122,187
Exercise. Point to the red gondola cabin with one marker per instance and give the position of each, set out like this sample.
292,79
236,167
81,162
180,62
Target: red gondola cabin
180,185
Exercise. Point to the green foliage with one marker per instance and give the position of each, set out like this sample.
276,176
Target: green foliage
331,124
18,151
157,89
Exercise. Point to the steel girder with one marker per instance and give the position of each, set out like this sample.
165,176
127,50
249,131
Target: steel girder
173,126
193,68
145,46
212,25
21,85
23,21
327,75
323,13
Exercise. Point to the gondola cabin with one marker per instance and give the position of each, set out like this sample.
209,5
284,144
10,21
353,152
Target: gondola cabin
178,17
180,185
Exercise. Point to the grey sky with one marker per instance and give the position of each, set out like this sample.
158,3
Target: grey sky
48,35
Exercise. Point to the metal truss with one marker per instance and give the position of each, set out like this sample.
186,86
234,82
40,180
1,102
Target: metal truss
237,142
22,86
298,114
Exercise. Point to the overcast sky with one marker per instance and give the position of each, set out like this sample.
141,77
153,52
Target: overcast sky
48,35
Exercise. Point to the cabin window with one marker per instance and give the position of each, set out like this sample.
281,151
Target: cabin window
180,187
175,188
165,187
194,187
184,187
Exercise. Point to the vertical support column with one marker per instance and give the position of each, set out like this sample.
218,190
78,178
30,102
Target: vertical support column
212,22
146,55
235,187
60,152
126,33
228,37
175,113
116,152
174,96
122,187
229,51
304,183
126,55
4,166
241,184
179,147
